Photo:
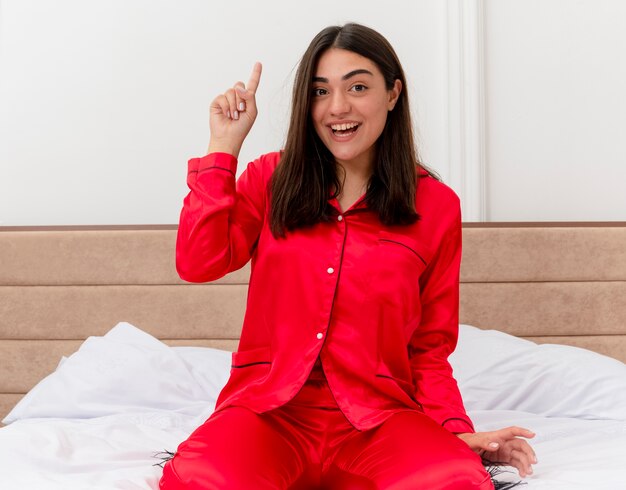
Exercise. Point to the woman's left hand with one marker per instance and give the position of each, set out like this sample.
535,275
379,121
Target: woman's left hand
504,446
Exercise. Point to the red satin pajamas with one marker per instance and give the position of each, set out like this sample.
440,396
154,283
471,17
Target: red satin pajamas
341,378
309,444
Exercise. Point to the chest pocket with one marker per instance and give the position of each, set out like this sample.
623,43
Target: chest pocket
396,268
396,272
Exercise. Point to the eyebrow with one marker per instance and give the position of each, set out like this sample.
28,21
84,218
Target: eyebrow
346,76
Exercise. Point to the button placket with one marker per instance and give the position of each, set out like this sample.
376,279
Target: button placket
320,335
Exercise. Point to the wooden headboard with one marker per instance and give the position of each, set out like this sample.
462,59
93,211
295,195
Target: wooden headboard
549,282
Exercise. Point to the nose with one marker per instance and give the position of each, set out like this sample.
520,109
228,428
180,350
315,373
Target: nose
339,104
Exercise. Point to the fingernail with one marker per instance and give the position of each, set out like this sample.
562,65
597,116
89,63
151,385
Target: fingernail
236,115
228,114
241,106
493,444
240,89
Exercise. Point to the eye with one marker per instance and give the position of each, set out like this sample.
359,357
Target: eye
317,92
359,87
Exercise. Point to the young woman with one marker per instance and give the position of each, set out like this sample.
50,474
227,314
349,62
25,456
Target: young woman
341,378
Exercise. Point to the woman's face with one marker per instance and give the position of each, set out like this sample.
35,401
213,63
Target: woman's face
349,105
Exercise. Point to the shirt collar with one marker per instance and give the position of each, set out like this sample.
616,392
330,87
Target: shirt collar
361,203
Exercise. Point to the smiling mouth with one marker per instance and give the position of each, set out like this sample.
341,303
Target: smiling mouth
344,129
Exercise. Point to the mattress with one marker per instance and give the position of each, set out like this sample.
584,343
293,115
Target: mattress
100,420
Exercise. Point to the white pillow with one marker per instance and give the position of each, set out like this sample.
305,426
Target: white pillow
499,371
129,370
126,370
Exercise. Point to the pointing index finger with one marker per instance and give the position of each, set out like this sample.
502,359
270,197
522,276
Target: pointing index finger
255,77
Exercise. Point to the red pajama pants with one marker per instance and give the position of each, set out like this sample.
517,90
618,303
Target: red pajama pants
309,444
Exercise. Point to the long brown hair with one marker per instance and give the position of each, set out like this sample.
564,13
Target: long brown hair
307,169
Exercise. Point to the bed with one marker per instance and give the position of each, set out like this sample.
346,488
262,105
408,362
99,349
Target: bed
107,357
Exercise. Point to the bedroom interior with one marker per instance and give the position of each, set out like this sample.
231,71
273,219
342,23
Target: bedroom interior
107,357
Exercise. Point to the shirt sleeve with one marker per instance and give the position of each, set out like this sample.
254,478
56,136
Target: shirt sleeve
436,337
221,218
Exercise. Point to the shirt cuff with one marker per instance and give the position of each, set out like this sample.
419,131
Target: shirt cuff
458,426
218,160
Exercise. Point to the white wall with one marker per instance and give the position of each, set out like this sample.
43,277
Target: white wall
103,102
520,103
555,89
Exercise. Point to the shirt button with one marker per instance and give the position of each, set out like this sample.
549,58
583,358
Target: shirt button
320,335
330,270
339,218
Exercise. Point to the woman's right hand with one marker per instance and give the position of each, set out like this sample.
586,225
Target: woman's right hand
504,446
232,114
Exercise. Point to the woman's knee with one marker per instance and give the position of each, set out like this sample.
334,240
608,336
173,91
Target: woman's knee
410,451
230,451
184,473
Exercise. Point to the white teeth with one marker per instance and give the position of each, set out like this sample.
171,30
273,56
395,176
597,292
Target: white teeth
343,127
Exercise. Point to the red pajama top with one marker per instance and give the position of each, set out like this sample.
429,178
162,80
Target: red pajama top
378,305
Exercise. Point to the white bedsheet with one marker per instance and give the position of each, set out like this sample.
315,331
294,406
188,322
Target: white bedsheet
106,449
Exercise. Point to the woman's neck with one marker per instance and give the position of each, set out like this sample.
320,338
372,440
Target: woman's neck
355,180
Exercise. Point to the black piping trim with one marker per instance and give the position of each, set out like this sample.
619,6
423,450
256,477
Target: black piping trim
214,168
239,366
457,418
405,246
